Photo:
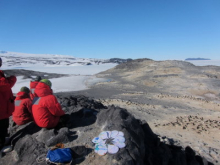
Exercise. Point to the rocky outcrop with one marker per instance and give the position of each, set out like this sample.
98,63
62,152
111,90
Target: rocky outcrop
88,119
29,74
118,60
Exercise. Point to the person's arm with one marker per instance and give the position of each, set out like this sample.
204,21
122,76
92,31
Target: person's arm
7,83
12,80
54,107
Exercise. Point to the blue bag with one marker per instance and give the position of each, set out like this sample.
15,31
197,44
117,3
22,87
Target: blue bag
60,155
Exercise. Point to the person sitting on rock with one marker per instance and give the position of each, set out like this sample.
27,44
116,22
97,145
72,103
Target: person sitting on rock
23,107
33,85
6,105
46,109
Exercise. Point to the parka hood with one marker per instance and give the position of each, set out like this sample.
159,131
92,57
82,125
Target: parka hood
33,84
22,95
42,90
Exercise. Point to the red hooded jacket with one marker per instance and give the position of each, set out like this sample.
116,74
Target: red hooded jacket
23,105
33,85
46,109
6,95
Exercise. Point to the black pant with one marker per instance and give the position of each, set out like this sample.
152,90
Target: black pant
4,124
64,120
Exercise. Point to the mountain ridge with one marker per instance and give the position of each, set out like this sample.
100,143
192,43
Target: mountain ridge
53,59
197,59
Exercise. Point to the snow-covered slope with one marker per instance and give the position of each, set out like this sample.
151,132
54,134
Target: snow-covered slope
80,71
62,64
204,62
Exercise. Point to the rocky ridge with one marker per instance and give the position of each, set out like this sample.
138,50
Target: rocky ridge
19,59
88,119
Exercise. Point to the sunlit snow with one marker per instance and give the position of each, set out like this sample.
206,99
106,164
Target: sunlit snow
79,76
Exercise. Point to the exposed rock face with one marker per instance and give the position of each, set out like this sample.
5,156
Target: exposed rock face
118,60
88,119
28,74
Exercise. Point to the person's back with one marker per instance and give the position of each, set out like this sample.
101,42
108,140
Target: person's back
33,85
46,109
23,107
6,103
6,95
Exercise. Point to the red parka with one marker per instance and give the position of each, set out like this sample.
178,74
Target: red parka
46,109
6,95
23,109
33,85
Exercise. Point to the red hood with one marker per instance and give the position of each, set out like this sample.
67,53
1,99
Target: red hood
22,95
33,84
42,90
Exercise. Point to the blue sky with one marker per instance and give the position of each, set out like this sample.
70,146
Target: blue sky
156,29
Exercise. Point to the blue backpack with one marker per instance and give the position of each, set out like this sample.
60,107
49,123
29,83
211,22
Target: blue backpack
60,155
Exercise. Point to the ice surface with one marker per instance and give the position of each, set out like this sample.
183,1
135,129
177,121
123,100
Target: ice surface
79,76
205,62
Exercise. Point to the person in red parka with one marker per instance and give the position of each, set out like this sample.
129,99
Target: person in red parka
45,109
23,107
6,103
33,85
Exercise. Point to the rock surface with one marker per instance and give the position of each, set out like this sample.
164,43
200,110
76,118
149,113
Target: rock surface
88,119
28,74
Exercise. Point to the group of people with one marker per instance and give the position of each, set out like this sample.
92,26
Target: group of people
36,104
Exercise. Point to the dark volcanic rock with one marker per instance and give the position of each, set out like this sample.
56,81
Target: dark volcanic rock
119,119
119,60
29,74
88,119
28,149
142,145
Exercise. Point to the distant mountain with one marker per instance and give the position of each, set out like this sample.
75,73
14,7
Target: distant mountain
3,51
119,60
18,59
197,59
